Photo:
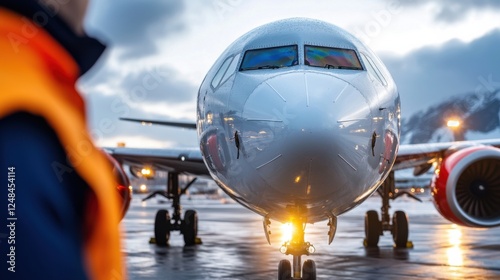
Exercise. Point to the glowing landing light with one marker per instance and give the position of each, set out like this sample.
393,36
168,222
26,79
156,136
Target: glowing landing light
286,232
453,123
143,188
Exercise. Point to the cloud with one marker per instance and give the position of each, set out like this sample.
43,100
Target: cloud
451,10
434,74
132,78
104,112
135,26
153,92
158,85
146,85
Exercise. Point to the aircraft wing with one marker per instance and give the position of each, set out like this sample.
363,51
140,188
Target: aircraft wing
165,123
422,156
178,160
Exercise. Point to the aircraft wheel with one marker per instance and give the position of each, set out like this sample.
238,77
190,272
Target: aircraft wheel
400,229
373,228
190,227
284,270
309,270
162,227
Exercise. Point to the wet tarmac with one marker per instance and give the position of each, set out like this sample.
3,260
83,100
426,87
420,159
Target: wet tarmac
234,246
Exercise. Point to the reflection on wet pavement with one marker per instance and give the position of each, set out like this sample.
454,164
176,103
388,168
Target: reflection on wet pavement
234,246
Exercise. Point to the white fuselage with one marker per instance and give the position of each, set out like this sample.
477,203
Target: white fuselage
313,140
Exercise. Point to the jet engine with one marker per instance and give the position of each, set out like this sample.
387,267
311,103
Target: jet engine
146,172
466,187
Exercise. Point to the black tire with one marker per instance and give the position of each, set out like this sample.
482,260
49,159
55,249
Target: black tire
162,227
400,229
309,270
373,228
284,270
190,227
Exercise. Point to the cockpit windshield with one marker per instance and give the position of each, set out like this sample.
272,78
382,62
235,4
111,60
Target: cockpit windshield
333,58
270,58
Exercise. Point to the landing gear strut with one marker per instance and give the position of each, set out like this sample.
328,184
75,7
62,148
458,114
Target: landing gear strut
297,247
374,227
164,224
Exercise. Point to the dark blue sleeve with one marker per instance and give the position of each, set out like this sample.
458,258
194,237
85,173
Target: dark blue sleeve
49,204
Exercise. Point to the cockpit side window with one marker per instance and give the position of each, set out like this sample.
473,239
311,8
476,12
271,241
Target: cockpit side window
227,69
331,58
373,70
270,58
220,73
231,69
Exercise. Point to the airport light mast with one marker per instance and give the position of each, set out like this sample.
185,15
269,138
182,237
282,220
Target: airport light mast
456,126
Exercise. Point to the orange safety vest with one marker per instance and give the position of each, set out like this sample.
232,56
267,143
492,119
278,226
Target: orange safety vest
37,75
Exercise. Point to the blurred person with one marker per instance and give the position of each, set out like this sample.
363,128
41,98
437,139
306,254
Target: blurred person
60,210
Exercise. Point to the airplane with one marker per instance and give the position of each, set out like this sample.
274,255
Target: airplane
299,121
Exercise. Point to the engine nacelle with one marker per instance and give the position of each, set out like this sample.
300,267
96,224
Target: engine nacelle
466,187
146,172
123,189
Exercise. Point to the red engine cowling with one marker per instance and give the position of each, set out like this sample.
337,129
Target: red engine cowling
466,187
124,192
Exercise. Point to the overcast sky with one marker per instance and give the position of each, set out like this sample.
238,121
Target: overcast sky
159,52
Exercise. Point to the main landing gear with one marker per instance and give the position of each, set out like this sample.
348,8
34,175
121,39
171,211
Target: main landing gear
374,228
164,224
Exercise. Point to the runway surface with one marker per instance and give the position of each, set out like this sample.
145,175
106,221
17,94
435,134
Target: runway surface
234,246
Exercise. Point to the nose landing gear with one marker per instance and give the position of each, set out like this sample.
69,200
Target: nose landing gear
297,247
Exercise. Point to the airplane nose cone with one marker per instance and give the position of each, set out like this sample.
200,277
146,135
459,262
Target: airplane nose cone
303,125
